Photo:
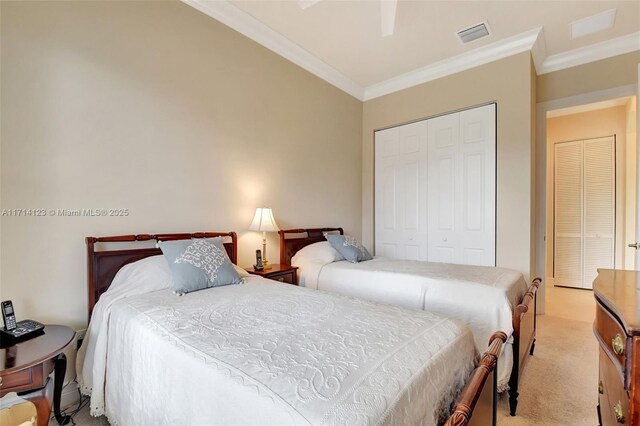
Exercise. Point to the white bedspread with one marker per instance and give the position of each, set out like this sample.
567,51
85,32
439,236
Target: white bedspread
269,353
482,297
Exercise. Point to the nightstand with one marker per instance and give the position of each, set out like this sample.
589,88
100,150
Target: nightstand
283,273
25,368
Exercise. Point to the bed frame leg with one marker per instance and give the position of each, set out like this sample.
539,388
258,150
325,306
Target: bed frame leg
513,401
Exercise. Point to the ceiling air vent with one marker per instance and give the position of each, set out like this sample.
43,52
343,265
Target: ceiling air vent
473,33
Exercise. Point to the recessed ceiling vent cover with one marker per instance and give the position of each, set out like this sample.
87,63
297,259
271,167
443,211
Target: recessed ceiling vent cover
473,33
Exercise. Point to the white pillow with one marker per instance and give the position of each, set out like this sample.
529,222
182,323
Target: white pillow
149,274
241,272
321,252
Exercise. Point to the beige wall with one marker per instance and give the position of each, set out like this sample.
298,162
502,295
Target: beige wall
608,73
588,125
156,108
509,83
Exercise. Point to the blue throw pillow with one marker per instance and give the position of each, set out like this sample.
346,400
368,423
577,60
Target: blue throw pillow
349,248
198,263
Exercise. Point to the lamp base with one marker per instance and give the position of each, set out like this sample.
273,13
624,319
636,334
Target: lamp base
265,265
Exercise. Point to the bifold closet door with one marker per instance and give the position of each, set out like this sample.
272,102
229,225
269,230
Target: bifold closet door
462,192
435,189
401,192
568,214
584,205
599,207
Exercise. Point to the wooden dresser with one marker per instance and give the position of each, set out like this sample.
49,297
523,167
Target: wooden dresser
617,328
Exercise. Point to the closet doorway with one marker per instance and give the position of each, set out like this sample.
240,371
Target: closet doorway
591,190
435,189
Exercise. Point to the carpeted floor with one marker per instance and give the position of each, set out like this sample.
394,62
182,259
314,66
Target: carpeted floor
560,381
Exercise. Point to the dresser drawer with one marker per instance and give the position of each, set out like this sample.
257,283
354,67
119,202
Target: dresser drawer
613,399
613,339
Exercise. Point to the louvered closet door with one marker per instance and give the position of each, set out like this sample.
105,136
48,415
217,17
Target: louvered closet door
568,214
599,207
400,192
584,210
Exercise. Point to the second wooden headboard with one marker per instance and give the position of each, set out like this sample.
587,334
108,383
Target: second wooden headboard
301,238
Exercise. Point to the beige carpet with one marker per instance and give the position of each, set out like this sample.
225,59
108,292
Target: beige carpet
559,384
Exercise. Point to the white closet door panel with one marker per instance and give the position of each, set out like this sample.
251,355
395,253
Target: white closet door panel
598,253
568,214
474,188
568,271
411,196
599,207
443,148
568,188
386,154
400,195
387,198
387,250
476,214
443,202
599,186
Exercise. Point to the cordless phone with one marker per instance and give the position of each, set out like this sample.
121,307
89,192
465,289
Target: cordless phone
258,266
8,315
17,330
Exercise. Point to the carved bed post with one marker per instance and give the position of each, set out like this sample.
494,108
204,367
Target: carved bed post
466,402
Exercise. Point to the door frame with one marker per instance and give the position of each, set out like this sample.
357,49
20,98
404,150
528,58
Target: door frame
541,169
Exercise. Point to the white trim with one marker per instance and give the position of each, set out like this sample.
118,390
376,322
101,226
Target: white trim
594,52
249,26
483,55
539,50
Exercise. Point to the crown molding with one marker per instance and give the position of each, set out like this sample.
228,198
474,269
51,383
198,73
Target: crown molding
250,27
533,40
539,50
591,53
480,56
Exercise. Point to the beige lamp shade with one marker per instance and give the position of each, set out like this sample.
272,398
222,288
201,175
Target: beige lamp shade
263,221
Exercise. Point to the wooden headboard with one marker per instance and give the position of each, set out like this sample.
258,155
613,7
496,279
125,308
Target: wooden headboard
103,265
290,246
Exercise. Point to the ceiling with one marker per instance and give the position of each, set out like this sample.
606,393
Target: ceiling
343,40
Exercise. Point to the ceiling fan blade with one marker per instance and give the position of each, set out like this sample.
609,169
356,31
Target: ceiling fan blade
388,16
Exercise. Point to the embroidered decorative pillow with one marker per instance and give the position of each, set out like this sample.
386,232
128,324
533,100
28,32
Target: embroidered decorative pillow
349,248
198,263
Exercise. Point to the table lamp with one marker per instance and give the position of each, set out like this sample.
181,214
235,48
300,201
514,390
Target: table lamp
263,221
